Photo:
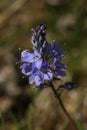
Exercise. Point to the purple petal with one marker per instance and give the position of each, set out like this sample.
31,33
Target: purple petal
44,43
42,27
33,38
59,73
56,45
40,38
45,64
26,56
69,85
48,76
48,48
37,53
34,69
31,79
60,65
38,64
39,79
26,69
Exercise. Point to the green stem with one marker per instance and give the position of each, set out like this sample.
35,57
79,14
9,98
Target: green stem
63,107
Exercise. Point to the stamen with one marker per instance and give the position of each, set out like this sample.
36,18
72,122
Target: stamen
18,62
24,76
19,49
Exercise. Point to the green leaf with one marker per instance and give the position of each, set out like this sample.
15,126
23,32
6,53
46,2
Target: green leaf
79,125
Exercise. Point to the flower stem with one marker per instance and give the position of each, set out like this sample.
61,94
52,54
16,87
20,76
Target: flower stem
63,107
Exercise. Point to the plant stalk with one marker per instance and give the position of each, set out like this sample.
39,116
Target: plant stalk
63,107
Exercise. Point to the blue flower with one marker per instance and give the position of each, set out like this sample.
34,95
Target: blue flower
39,77
26,69
45,61
58,68
35,67
26,56
69,85
38,38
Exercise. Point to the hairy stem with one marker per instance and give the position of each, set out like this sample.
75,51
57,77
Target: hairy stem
63,107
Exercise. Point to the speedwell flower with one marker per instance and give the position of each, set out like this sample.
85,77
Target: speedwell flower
35,67
45,61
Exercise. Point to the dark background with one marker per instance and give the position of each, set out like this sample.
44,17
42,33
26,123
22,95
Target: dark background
21,106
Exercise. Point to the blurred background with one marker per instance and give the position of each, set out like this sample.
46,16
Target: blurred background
21,106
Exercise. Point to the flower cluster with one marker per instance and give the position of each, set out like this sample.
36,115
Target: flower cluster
45,61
